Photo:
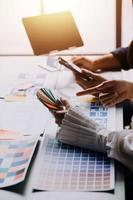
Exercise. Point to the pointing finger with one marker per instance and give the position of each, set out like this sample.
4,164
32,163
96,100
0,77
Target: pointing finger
106,85
88,91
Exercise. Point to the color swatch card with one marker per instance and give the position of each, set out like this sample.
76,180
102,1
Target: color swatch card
67,168
15,157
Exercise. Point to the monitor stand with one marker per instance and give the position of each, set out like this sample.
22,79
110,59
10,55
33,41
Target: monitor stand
51,63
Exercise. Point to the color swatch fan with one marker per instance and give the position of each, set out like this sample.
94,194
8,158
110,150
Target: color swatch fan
49,100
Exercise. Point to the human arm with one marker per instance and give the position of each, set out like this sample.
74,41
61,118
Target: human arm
120,147
79,130
58,107
92,81
118,59
103,63
113,92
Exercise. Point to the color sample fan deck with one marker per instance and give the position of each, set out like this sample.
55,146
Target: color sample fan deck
49,100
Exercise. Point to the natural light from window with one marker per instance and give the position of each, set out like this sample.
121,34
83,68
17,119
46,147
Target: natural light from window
95,20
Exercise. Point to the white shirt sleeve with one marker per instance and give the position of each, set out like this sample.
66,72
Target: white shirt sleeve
120,147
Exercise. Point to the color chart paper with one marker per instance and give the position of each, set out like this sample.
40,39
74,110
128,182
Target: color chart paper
67,168
15,157
98,113
104,116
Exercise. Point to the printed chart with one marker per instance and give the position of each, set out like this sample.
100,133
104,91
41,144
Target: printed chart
98,113
15,157
67,168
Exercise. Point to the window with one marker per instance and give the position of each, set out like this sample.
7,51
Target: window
96,21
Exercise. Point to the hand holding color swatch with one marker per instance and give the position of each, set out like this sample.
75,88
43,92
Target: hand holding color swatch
50,101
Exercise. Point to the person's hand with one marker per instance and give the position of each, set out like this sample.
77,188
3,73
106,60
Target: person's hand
93,81
83,62
58,114
113,92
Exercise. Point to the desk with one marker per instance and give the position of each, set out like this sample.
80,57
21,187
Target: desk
24,190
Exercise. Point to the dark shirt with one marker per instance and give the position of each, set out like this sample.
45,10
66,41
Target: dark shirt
121,54
125,56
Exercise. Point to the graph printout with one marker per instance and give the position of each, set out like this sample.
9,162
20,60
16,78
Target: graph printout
67,168
15,157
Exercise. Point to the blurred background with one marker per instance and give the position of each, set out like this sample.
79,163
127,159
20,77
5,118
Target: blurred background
103,24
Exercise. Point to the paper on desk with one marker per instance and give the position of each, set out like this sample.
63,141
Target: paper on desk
66,168
7,134
26,117
13,98
15,157
23,87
